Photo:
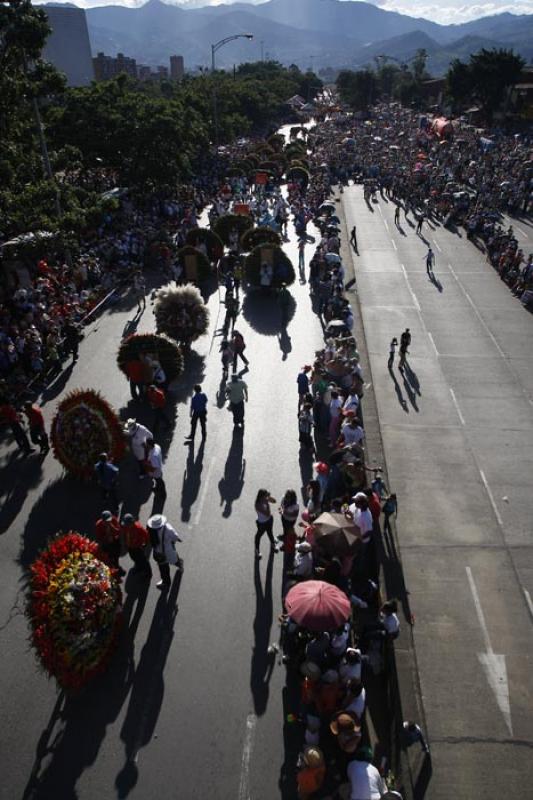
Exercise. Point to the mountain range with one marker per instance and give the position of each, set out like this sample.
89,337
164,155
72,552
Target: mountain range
316,33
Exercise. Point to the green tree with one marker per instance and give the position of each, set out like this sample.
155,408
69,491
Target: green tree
358,89
459,85
492,73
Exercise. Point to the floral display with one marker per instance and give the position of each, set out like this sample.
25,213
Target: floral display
260,235
230,228
181,313
84,426
269,267
74,608
148,347
207,242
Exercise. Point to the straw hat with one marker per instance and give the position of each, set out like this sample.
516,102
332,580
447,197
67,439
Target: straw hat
345,723
313,757
157,521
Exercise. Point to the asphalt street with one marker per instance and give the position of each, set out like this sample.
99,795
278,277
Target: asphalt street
457,430
193,703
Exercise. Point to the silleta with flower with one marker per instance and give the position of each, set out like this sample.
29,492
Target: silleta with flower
74,608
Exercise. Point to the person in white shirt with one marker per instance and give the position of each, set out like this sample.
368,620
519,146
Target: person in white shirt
335,405
365,781
154,466
350,668
355,700
138,435
163,538
362,516
352,432
303,561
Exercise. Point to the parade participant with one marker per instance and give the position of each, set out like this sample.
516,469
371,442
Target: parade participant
136,371
139,290
38,433
72,336
237,394
107,476
138,434
238,345
163,539
107,532
289,511
284,301
154,466
264,521
405,341
311,772
430,261
157,399
226,357
365,781
305,427
302,380
390,508
392,351
135,538
10,415
198,412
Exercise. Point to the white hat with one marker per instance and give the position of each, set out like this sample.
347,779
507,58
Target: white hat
106,516
157,521
131,423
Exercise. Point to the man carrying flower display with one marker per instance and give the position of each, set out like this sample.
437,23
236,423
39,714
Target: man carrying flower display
107,532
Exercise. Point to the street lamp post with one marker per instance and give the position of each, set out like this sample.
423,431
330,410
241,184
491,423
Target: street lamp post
214,48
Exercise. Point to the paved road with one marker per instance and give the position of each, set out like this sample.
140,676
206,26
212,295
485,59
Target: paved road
457,429
193,707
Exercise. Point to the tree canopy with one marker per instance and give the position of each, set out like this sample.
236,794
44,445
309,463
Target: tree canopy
485,79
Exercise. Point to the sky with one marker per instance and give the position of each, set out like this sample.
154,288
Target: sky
443,11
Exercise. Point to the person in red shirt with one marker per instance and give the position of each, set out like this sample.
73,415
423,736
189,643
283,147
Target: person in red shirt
157,399
10,416
135,371
38,433
136,539
374,505
107,532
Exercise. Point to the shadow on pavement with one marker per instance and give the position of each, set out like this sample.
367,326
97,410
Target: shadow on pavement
263,662
19,476
423,779
397,388
192,480
59,383
231,484
262,312
77,727
435,281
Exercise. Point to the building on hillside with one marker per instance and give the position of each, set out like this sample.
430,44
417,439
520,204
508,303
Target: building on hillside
107,67
177,68
162,72
68,47
144,73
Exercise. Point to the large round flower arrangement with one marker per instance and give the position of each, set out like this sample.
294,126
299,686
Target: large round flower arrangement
84,426
74,609
230,227
181,313
269,267
208,242
151,345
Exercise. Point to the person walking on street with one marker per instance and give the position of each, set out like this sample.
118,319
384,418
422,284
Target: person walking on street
284,300
138,434
72,336
237,394
136,371
265,520
154,467
397,215
10,415
163,539
430,261
226,352
390,508
392,351
107,532
419,225
139,290
239,345
107,477
301,259
302,380
38,433
353,239
136,539
157,399
198,413
405,341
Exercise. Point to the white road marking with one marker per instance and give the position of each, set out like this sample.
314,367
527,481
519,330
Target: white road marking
524,234
244,785
492,663
476,312
491,498
432,340
456,404
529,601
411,292
394,244
437,245
203,495
386,224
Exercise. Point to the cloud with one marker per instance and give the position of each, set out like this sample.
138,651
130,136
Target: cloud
455,11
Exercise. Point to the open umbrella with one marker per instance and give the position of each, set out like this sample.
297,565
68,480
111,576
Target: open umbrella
336,533
333,258
327,207
334,219
317,605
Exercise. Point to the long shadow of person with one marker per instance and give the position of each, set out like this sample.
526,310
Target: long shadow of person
77,727
148,687
285,344
18,477
262,660
221,391
409,390
192,479
231,484
435,281
305,459
398,391
57,385
412,378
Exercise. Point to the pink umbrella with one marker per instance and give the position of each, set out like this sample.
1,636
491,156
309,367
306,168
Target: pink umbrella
317,605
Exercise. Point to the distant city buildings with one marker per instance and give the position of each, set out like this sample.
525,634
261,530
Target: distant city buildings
107,67
68,47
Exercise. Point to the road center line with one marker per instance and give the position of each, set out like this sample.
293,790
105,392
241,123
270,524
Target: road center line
456,404
244,785
394,244
386,224
476,312
529,601
203,495
479,611
437,245
432,340
491,498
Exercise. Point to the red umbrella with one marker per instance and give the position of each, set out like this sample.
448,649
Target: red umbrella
317,605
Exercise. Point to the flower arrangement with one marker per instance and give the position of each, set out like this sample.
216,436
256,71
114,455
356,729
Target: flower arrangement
181,313
260,235
139,345
74,609
298,175
195,263
207,242
269,267
84,426
230,228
